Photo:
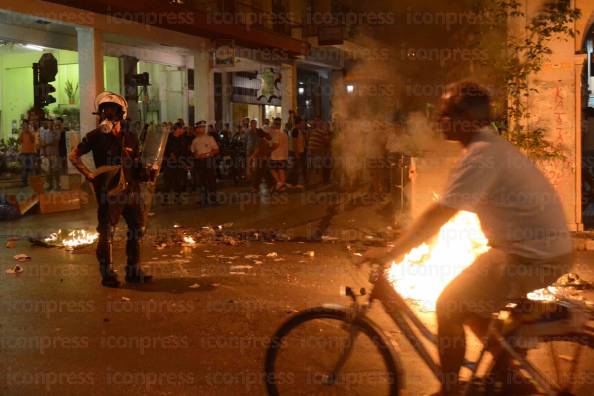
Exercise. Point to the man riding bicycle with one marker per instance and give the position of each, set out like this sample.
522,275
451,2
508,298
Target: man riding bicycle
520,214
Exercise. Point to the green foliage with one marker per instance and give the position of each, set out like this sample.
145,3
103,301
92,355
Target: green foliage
70,90
515,59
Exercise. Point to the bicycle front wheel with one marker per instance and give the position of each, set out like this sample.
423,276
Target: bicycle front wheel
320,352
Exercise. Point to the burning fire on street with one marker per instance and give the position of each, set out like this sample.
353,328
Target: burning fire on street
72,239
426,270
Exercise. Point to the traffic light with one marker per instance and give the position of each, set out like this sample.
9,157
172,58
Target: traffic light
44,72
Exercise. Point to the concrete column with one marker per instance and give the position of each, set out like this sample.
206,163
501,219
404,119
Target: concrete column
164,116
579,63
289,90
227,92
90,71
128,66
203,87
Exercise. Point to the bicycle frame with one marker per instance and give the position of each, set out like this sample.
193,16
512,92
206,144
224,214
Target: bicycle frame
406,320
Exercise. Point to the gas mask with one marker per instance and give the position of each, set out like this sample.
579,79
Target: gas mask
110,114
106,126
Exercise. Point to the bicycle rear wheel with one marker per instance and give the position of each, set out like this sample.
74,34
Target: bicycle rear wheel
566,360
318,352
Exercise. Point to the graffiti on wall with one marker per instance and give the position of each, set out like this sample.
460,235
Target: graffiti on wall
551,109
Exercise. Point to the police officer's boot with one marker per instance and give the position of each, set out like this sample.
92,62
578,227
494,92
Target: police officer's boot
135,274
108,275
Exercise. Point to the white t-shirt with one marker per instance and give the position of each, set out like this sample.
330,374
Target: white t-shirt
281,153
519,210
203,144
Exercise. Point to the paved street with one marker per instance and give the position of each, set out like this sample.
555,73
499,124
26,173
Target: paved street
199,329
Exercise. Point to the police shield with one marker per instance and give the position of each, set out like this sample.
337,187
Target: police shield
153,150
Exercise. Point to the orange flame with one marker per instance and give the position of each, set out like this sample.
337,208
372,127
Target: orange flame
427,269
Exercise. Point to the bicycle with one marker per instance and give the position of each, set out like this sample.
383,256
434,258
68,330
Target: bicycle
324,340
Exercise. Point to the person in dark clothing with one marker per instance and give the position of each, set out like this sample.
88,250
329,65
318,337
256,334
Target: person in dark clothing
63,151
297,154
117,193
177,162
259,161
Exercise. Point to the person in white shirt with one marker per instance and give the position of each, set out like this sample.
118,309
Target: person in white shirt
204,148
279,155
521,215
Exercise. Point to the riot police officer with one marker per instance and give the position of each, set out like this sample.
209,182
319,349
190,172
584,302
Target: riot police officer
117,190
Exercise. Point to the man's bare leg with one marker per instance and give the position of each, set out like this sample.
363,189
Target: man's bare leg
451,344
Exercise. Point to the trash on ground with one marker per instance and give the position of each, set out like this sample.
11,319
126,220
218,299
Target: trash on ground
125,298
22,257
279,259
252,256
17,269
327,238
309,253
240,267
237,273
573,280
258,262
272,254
194,286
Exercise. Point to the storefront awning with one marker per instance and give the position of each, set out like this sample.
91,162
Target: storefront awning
184,19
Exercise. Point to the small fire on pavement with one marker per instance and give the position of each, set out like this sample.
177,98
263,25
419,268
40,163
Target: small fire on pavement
72,239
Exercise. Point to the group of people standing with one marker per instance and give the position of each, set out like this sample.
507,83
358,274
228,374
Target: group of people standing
43,146
279,157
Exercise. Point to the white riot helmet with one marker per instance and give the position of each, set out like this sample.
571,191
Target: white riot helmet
106,100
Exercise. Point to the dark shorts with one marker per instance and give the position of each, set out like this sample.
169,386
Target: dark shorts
495,278
277,164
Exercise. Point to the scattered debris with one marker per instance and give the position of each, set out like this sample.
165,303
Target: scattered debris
272,254
309,253
230,241
194,286
252,256
327,238
17,269
125,298
22,257
237,273
240,267
573,280
258,262
279,259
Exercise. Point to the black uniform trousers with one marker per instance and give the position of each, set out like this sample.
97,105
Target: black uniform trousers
129,205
